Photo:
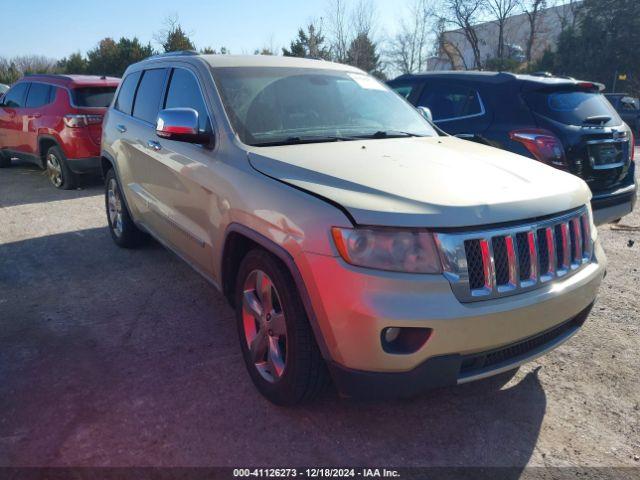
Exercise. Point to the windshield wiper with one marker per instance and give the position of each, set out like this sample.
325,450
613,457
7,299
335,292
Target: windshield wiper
597,119
390,134
301,140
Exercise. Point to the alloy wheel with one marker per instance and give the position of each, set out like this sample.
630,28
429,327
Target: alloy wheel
54,170
114,205
265,328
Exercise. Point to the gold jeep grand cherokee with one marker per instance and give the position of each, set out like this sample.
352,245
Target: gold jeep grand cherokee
355,241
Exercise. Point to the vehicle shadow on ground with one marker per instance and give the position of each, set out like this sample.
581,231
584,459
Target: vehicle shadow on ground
21,176
128,358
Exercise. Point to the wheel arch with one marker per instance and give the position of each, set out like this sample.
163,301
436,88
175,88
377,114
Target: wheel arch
238,241
45,142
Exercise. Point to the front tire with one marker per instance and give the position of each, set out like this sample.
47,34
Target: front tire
122,228
277,342
59,173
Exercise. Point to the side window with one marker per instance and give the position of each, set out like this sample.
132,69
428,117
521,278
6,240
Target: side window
149,94
448,102
184,92
404,89
124,102
15,97
39,95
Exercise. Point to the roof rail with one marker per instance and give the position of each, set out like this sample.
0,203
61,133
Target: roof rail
50,75
179,53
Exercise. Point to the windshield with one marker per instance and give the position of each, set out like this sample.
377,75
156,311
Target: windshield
93,96
275,105
574,107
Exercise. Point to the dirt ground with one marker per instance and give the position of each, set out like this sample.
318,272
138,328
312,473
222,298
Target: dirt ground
111,357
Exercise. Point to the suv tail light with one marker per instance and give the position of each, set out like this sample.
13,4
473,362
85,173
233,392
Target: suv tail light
542,144
77,121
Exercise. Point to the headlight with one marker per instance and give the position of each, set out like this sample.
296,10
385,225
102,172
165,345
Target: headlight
409,251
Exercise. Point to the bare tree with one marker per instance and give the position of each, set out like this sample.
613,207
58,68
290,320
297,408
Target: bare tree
363,19
567,12
500,10
448,47
531,9
409,47
345,25
338,26
465,14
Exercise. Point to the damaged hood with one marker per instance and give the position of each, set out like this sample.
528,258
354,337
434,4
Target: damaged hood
423,182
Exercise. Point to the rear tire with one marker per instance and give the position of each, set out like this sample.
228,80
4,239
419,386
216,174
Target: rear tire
59,173
5,161
283,361
122,228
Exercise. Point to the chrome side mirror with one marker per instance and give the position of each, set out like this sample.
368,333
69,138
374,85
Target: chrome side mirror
426,113
181,125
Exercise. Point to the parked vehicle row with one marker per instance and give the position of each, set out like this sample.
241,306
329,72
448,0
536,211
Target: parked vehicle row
355,240
55,121
561,122
628,108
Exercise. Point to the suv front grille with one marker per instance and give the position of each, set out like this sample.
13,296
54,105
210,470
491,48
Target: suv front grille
503,261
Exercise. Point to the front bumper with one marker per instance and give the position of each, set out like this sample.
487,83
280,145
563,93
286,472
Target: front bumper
352,306
454,369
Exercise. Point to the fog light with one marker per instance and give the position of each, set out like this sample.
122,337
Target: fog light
404,340
391,334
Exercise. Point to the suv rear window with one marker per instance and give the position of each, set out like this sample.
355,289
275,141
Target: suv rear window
573,107
93,96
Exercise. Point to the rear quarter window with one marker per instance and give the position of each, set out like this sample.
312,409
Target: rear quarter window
124,102
573,107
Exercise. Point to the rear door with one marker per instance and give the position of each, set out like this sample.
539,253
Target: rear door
177,174
11,121
457,108
39,97
144,153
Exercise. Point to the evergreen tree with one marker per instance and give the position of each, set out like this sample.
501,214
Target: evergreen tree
309,44
177,40
74,63
602,45
113,58
362,53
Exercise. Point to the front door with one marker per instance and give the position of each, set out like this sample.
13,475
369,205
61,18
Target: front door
12,136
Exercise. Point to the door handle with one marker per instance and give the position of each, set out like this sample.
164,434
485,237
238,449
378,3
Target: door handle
121,128
153,145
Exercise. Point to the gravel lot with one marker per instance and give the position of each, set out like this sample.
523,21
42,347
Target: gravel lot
116,358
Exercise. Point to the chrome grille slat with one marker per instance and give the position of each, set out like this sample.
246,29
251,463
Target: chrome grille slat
502,261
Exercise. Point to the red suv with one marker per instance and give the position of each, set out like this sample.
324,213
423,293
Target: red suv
56,122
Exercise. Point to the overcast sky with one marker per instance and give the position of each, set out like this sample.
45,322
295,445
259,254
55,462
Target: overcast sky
57,28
